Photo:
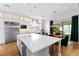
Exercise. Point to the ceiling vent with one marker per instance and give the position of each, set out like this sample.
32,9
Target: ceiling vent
7,5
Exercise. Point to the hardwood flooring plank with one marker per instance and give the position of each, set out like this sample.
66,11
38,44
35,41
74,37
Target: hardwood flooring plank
11,49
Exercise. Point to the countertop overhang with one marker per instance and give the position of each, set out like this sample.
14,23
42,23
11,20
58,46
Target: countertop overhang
36,42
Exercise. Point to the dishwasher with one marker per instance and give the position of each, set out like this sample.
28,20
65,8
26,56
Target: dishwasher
24,49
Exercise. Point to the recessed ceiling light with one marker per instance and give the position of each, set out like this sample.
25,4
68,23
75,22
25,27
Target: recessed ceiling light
34,6
54,12
65,7
24,4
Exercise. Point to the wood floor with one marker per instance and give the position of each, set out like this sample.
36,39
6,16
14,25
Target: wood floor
72,50
11,49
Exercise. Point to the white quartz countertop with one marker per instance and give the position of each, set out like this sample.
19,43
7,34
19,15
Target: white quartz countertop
37,42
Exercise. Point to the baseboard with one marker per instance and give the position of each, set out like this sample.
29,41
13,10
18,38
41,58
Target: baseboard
10,41
2,44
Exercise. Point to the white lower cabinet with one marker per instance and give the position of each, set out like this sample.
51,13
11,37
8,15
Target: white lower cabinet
24,51
19,44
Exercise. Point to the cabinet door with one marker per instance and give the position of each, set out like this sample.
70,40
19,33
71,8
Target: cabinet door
7,35
23,49
14,32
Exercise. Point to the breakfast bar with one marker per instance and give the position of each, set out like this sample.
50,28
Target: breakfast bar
32,44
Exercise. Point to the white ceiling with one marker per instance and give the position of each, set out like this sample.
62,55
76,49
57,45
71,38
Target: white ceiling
42,10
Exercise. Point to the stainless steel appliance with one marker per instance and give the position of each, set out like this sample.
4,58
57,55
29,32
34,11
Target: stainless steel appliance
11,31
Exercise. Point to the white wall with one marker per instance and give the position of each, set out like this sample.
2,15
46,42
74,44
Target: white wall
46,26
61,20
2,35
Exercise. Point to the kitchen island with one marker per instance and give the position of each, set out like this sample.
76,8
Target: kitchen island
31,44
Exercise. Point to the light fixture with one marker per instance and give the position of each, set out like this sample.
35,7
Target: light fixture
65,7
34,6
54,12
24,4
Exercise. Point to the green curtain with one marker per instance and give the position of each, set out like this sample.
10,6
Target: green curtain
74,30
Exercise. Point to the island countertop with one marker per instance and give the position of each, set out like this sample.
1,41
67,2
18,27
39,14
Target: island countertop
37,42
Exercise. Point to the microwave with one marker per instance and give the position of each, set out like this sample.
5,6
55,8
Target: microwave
23,26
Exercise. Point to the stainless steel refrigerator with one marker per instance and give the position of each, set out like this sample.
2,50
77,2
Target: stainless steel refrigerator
11,31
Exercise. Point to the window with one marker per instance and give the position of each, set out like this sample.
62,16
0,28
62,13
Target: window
67,29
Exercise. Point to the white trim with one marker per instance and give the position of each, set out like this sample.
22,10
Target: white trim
59,51
78,28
